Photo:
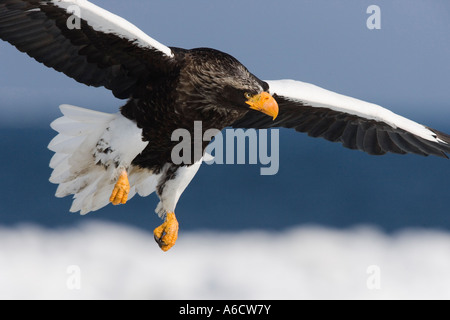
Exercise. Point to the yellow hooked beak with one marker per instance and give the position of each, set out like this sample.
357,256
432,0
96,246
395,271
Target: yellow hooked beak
264,103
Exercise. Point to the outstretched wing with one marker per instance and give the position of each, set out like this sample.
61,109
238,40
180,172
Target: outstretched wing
338,118
87,43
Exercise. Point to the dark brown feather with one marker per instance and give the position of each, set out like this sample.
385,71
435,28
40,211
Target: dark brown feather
88,56
376,138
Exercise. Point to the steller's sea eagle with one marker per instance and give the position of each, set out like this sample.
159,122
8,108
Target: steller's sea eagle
101,158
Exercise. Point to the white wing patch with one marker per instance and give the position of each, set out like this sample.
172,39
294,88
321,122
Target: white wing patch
173,188
315,96
109,23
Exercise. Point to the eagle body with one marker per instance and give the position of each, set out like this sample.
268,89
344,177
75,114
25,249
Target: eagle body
103,158
181,98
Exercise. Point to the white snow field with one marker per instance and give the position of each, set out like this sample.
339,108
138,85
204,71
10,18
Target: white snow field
110,261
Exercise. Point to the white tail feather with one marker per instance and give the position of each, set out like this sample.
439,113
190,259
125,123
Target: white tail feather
75,166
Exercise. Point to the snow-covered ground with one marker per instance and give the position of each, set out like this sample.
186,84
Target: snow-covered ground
109,261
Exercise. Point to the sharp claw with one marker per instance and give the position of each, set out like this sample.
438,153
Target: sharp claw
160,241
166,234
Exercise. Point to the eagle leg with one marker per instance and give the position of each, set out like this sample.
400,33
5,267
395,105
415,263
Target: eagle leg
166,234
121,190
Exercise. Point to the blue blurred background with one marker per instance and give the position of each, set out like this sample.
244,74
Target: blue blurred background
405,67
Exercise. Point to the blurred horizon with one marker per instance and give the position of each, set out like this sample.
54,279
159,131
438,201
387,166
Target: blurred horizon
318,183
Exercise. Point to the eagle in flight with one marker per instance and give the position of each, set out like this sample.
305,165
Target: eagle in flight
101,158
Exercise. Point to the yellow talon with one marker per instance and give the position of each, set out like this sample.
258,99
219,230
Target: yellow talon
166,234
121,190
